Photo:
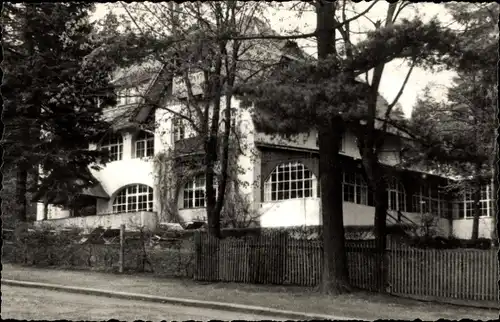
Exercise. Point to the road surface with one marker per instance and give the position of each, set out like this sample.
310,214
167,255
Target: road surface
38,304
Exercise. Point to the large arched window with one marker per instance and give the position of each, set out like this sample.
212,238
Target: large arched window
355,189
396,195
114,144
136,197
290,180
194,192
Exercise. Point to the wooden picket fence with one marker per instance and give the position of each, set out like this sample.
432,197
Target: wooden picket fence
465,274
276,258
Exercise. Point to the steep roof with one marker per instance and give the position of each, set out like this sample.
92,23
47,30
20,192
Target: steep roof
154,73
136,74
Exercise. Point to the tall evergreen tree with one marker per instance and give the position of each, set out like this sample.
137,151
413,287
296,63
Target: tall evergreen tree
53,97
462,131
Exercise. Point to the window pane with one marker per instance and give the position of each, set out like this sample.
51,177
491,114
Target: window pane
289,181
150,148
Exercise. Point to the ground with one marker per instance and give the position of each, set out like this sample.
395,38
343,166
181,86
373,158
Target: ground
359,305
22,303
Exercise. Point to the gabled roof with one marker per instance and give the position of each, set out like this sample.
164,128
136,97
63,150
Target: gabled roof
146,74
157,76
136,74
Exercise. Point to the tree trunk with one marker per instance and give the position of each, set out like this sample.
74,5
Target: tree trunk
477,204
211,153
379,187
45,210
335,270
21,190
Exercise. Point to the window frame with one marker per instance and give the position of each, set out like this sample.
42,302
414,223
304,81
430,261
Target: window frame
395,187
129,95
135,193
148,140
359,187
178,129
196,185
110,142
466,204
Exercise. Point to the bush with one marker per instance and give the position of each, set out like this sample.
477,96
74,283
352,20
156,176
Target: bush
41,246
450,243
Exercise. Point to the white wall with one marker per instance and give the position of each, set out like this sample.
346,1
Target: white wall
114,176
119,174
306,211
53,212
293,212
462,228
249,160
163,132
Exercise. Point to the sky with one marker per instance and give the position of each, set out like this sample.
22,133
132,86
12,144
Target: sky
394,72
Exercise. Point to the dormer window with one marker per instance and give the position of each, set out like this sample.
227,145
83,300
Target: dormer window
127,96
114,144
144,145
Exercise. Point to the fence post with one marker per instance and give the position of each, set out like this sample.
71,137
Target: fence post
198,255
122,247
387,264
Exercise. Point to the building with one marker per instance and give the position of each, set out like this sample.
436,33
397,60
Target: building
281,174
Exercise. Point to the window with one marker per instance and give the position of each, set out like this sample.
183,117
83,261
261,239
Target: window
182,129
178,129
114,144
194,192
137,197
128,96
290,181
429,199
421,200
466,204
354,188
396,195
144,145
444,207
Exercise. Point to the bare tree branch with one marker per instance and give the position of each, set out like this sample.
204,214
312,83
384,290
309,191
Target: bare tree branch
402,5
402,86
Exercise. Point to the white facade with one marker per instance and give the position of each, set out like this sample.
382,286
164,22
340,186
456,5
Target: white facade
129,170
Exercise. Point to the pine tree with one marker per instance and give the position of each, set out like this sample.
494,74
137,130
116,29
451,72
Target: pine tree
53,96
462,131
